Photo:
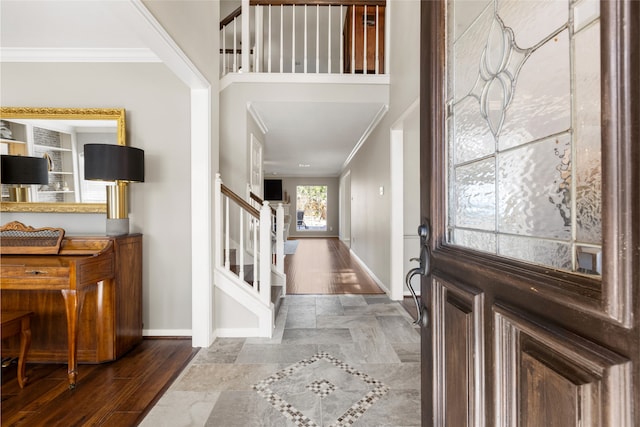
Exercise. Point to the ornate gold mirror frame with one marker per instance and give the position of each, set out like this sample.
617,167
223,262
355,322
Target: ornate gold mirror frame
24,113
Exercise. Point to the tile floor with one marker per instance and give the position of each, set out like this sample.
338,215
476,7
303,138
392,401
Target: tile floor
334,360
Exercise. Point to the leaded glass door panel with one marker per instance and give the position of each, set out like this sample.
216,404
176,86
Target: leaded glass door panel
529,116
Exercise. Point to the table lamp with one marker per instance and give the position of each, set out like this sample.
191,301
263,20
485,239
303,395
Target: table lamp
120,164
20,172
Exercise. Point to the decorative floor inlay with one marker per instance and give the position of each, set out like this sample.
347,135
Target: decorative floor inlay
321,388
285,391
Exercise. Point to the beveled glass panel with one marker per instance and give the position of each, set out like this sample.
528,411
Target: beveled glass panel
475,195
534,189
523,130
468,54
541,104
472,133
537,251
584,13
587,137
477,240
533,21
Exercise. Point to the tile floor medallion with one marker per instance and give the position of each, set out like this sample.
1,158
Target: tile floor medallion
284,391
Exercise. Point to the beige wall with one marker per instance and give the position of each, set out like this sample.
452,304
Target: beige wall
157,106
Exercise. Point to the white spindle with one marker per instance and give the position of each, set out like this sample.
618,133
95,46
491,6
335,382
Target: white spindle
256,248
377,40
218,221
241,250
235,56
259,24
293,38
305,38
341,41
317,39
269,47
281,38
364,50
280,238
227,264
353,39
245,36
329,41
265,253
224,50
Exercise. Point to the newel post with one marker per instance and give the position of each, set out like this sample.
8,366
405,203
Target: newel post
280,238
217,221
265,253
246,36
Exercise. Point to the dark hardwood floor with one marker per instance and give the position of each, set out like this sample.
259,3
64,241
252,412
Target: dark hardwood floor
325,266
117,394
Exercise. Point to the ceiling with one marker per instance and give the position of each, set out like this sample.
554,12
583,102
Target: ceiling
320,136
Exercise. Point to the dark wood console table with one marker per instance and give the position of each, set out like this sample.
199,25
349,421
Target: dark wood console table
86,299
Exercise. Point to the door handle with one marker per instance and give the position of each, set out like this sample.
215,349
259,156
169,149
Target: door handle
424,269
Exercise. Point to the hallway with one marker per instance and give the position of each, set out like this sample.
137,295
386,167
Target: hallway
333,360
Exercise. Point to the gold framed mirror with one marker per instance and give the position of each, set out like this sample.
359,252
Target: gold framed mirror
60,133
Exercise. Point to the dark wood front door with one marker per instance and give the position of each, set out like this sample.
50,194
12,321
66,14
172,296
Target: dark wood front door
530,128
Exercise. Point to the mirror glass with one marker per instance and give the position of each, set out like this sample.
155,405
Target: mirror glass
59,134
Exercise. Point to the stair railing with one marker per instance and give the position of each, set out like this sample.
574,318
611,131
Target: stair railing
277,218
233,218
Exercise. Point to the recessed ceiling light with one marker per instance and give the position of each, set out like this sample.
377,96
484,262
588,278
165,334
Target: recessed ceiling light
303,165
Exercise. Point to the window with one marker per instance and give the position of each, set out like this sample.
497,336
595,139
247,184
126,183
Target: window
311,208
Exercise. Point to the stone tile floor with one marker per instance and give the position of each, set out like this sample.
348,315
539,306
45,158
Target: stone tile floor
334,360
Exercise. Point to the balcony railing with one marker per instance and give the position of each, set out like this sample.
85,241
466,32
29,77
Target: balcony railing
304,36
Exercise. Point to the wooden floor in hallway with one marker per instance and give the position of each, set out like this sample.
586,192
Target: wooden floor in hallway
326,266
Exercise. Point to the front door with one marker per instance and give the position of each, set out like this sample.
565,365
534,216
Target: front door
530,146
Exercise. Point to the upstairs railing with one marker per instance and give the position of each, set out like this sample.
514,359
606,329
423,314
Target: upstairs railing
304,36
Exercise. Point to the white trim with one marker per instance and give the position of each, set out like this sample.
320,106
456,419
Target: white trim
238,332
256,116
376,120
370,273
369,79
202,299
11,54
396,137
154,34
166,333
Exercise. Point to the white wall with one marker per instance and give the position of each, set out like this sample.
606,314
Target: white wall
370,168
234,141
158,121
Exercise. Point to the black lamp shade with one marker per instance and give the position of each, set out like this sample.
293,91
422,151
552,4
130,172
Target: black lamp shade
24,170
108,162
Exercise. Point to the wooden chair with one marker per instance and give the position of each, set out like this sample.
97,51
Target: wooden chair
14,323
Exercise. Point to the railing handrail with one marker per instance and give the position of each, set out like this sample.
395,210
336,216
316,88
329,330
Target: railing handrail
318,2
240,201
259,200
237,12
230,17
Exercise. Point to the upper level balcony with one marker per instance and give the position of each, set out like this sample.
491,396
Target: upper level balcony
304,40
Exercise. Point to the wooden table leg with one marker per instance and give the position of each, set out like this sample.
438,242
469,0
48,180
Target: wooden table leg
73,301
25,343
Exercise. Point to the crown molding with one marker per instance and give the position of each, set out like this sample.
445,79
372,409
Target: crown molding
374,123
9,54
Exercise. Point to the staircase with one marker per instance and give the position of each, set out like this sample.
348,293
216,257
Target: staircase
249,267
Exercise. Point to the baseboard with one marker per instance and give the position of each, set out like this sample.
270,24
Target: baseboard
408,293
238,332
370,273
167,333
